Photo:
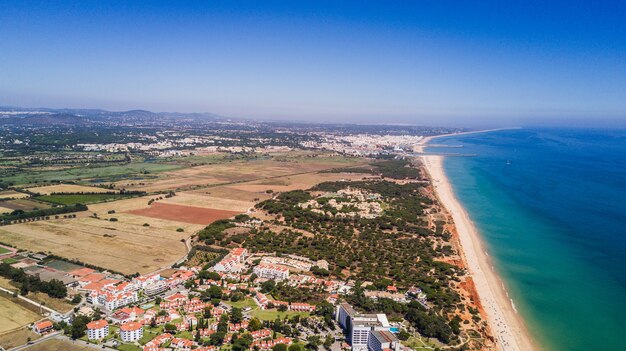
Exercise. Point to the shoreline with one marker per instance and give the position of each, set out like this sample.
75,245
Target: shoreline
507,326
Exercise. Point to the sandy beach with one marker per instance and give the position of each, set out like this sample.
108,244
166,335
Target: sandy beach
506,324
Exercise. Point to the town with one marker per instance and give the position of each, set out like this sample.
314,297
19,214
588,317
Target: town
202,308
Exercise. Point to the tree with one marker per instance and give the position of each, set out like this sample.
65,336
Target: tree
214,292
236,315
79,325
314,342
242,343
328,342
255,324
77,299
294,347
279,347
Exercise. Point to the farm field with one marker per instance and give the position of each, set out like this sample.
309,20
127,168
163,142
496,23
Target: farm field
143,238
123,246
24,204
236,172
182,213
13,315
294,182
101,174
205,200
72,199
61,344
67,188
12,194
5,210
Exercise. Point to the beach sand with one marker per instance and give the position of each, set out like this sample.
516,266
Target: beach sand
506,324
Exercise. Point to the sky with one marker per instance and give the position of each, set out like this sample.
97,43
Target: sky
420,62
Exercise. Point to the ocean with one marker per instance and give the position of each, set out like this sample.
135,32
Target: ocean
550,205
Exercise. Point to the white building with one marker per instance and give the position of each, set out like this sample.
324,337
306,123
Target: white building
143,281
112,301
380,340
358,327
156,288
97,330
268,271
233,262
131,332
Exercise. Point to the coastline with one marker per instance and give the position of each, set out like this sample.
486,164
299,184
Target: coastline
506,324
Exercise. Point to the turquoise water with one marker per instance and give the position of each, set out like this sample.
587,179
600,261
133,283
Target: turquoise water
550,205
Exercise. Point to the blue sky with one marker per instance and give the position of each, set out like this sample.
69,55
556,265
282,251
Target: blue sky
424,62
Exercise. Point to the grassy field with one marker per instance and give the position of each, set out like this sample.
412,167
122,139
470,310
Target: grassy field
101,174
60,305
12,194
4,251
67,188
13,315
24,204
17,337
271,315
72,199
243,303
61,344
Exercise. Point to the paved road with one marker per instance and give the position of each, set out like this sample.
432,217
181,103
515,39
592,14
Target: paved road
60,336
38,341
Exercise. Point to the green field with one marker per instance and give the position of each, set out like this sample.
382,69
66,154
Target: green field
271,315
243,303
72,199
3,250
106,173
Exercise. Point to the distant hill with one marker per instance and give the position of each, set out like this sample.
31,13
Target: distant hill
79,117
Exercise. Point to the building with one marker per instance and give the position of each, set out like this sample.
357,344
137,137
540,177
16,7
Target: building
380,340
269,271
131,332
233,262
111,301
357,326
97,330
155,288
43,327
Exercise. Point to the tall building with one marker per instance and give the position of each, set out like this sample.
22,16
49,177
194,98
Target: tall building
358,326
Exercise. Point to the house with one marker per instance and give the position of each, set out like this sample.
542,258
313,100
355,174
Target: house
154,344
182,344
301,307
131,332
261,334
268,344
43,327
97,330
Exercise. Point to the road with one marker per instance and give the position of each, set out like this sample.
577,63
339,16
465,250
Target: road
31,301
60,336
